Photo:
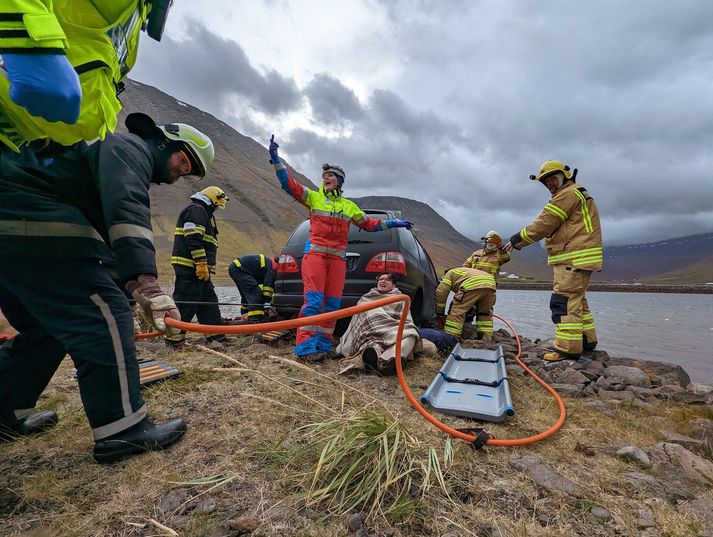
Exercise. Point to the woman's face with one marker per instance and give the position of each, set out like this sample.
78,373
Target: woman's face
384,284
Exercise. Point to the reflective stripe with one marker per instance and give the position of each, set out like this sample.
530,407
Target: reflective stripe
525,237
237,263
210,240
125,231
484,326
253,313
176,260
585,212
478,281
315,328
326,250
198,253
120,425
118,352
336,216
588,327
28,228
551,207
580,257
446,281
262,260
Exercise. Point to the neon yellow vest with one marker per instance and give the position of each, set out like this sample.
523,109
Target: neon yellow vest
101,38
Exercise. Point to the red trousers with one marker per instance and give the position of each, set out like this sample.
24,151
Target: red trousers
323,278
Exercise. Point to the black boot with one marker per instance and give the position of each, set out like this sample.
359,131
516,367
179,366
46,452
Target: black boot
144,436
370,357
33,424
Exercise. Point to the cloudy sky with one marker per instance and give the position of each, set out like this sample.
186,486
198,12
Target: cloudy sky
455,103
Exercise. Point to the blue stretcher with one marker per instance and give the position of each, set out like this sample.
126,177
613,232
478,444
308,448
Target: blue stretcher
472,383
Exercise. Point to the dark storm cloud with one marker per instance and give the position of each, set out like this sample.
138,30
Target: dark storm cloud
331,101
213,73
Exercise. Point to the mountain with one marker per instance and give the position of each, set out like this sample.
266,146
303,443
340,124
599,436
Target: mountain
259,216
680,260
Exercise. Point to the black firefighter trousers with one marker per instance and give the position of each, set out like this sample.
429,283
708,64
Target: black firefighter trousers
195,297
69,306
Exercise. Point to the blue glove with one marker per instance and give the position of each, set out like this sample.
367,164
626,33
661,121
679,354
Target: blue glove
46,85
274,157
401,223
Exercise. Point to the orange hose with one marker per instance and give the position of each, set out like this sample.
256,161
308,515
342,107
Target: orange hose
359,308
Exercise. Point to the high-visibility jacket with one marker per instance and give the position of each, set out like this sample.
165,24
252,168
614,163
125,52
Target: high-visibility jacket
100,39
569,223
329,215
261,267
80,202
461,280
196,235
488,261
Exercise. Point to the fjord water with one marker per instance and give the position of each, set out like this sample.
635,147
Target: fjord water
667,327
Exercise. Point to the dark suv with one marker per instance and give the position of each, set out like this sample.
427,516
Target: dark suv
395,250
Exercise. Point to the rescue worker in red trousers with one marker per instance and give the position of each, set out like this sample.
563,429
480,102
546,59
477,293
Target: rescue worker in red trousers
73,221
569,223
254,276
472,288
324,264
491,256
195,246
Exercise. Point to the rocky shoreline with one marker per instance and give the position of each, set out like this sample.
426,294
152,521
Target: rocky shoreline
612,287
676,472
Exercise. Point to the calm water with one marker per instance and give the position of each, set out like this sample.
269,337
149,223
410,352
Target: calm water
667,327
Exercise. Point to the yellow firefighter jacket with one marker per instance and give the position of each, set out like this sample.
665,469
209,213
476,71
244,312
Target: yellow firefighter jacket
488,261
569,223
100,39
461,280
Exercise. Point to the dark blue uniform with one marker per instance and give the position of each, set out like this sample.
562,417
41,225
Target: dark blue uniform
254,275
72,222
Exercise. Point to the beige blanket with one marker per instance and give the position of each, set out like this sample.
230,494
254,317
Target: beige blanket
374,328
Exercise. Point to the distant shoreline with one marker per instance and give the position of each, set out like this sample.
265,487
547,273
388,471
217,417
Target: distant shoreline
614,287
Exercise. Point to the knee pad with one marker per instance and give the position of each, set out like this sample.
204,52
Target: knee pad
558,307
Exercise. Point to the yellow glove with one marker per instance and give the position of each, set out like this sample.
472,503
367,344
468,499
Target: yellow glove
202,270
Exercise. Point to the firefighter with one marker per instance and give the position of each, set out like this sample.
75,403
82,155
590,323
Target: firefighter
64,63
472,288
74,221
254,275
569,223
195,245
491,256
324,264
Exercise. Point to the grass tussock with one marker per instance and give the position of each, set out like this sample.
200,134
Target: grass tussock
365,461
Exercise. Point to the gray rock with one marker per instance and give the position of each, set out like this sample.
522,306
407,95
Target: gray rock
701,508
171,501
689,398
674,459
642,393
609,395
546,478
642,481
702,389
702,429
646,518
244,524
356,521
208,505
600,406
686,441
634,454
631,376
660,373
572,390
610,383
650,532
600,513
643,405
571,376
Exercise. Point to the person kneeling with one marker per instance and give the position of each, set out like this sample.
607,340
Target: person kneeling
370,340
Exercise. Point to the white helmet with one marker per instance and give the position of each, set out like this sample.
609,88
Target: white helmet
199,147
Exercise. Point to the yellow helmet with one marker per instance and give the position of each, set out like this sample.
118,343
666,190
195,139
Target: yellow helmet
216,195
552,166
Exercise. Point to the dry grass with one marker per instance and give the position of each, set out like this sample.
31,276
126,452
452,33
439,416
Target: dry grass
253,409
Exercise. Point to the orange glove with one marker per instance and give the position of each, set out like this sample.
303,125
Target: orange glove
202,270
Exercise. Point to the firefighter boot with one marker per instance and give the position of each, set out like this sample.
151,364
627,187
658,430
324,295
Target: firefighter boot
33,424
144,436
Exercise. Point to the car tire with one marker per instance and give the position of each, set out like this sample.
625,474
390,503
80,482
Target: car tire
417,306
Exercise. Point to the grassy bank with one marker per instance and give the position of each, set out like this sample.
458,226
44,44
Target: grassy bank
249,459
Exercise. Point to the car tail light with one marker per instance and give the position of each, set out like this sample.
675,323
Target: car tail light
287,263
387,262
